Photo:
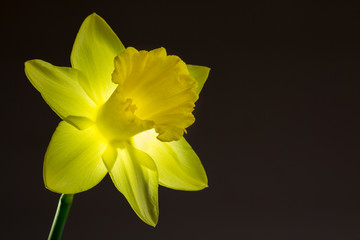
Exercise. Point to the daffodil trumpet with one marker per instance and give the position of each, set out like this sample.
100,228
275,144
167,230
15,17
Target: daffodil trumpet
124,113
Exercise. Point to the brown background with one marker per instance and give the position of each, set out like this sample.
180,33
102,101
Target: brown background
277,123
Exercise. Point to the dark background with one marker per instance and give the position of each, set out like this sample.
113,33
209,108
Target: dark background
277,124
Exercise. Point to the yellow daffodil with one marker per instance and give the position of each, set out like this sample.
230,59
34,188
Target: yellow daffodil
124,113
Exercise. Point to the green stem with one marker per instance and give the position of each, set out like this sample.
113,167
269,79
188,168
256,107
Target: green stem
61,215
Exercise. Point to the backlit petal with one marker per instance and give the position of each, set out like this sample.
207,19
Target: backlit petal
109,157
134,175
73,160
200,74
60,88
178,165
94,50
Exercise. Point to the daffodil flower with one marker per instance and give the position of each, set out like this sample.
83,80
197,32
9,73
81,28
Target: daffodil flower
124,113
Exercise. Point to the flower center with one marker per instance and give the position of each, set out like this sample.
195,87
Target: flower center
116,119
154,90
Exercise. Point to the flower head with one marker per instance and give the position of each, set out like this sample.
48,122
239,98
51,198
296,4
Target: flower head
124,113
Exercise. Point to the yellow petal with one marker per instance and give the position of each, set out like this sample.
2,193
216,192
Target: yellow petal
79,122
161,88
134,175
94,50
60,88
200,74
109,157
178,165
73,160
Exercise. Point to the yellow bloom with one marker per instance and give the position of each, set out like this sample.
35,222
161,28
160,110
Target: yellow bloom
124,113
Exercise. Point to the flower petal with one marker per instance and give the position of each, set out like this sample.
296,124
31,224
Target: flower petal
73,160
178,165
109,157
93,53
200,74
60,88
134,175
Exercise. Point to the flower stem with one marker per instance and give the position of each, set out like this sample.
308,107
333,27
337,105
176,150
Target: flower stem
61,215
